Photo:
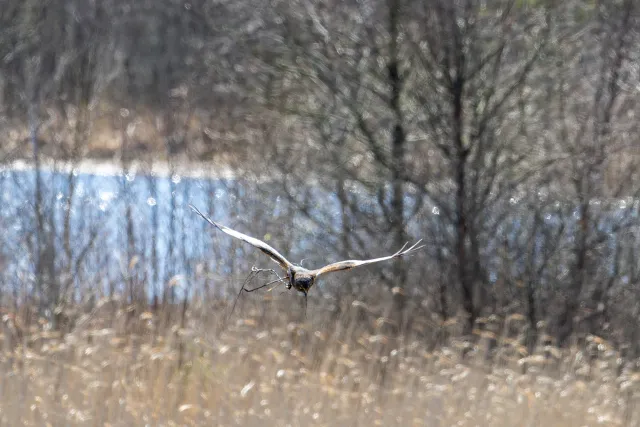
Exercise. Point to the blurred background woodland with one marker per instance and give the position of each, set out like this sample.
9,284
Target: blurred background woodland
502,132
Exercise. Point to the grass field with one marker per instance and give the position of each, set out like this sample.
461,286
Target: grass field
342,366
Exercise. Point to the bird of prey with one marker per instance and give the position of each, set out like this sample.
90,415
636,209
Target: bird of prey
298,277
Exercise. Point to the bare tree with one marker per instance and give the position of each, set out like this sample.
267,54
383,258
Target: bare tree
593,110
399,77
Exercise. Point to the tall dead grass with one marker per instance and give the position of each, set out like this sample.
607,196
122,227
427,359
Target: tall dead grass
345,364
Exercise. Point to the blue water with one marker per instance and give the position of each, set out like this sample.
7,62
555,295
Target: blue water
195,256
160,219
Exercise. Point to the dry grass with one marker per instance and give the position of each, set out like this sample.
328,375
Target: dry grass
119,367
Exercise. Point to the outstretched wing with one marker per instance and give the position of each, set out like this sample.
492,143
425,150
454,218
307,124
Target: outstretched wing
272,253
352,263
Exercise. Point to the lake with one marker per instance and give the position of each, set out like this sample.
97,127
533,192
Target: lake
122,232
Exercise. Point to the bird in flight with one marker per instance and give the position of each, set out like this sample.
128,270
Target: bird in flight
298,277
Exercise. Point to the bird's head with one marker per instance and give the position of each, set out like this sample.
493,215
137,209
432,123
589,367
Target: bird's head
302,281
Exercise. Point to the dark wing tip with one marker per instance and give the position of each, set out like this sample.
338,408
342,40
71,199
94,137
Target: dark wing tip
413,248
196,210
206,218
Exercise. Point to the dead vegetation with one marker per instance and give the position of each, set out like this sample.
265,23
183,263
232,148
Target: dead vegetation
344,365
